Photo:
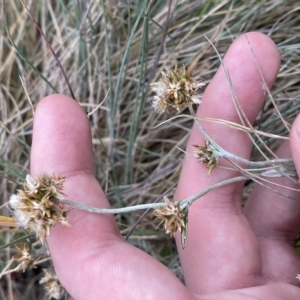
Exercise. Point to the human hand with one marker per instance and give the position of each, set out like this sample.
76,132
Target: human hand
230,253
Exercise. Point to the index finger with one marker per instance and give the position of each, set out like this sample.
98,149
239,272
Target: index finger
91,258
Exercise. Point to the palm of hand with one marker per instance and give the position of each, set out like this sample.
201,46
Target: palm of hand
230,253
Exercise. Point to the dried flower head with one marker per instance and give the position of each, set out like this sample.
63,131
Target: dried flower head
176,90
35,208
173,218
52,285
23,257
208,155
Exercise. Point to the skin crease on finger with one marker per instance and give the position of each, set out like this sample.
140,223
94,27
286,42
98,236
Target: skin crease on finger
90,257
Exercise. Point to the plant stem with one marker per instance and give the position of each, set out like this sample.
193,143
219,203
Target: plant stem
109,210
225,154
184,203
190,200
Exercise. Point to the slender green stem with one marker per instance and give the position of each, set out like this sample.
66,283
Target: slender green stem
114,105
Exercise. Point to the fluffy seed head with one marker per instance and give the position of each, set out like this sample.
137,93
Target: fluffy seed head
207,155
172,216
35,207
176,90
52,285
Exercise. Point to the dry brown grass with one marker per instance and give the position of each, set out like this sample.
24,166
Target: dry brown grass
102,54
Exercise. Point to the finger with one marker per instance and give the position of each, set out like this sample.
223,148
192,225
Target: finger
221,251
90,257
275,220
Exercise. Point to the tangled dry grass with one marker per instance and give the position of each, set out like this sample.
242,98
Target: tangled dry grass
111,51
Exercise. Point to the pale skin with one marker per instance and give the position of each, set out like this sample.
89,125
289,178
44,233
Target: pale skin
231,253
